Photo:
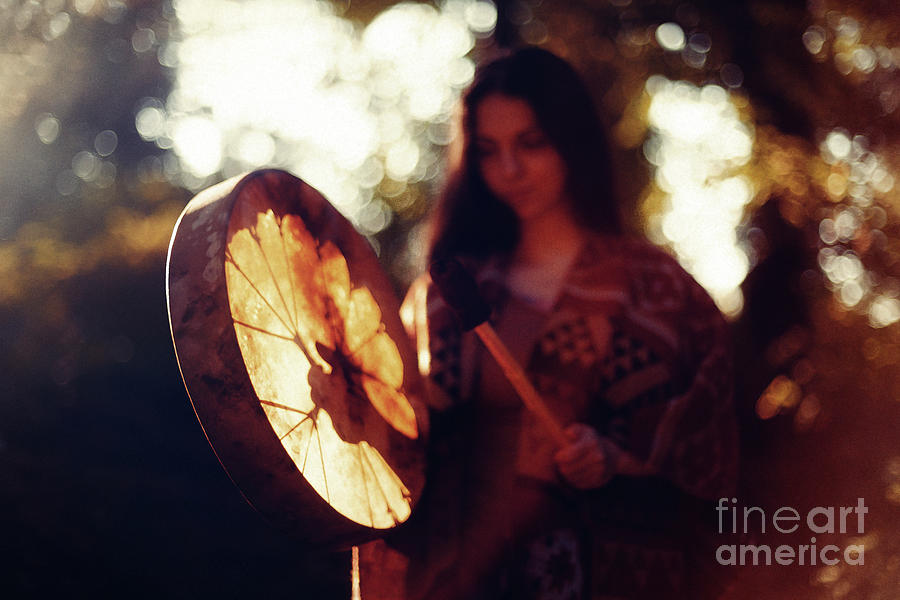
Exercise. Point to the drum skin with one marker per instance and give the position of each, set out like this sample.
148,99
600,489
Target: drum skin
221,388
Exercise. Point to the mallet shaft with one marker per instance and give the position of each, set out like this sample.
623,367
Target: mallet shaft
517,378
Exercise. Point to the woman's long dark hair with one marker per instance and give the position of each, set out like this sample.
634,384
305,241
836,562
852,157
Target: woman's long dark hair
469,220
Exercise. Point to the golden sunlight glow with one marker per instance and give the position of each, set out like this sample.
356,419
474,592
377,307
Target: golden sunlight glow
292,84
781,393
47,128
480,16
858,180
320,361
884,311
670,36
199,142
697,145
859,51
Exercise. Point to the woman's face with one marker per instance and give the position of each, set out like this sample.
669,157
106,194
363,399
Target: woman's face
517,161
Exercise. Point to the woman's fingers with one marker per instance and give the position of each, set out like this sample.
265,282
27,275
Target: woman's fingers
583,440
590,470
584,461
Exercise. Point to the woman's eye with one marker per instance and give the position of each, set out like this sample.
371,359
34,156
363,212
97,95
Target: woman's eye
485,151
534,141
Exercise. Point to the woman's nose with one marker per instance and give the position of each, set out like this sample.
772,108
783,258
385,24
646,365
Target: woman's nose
510,163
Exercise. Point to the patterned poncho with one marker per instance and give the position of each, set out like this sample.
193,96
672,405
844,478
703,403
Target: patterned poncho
632,346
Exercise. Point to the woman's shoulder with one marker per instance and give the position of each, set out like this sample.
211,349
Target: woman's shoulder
630,255
644,269
630,248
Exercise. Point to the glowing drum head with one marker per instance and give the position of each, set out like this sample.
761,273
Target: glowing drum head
290,345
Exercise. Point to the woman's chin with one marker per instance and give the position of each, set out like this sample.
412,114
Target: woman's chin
532,210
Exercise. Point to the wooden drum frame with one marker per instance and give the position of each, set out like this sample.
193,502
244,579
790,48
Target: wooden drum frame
289,341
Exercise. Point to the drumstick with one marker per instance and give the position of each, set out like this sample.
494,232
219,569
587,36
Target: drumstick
459,290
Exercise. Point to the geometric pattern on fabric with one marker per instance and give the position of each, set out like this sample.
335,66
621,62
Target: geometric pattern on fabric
627,355
570,341
633,380
666,321
553,570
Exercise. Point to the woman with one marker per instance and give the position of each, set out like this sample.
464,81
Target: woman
625,347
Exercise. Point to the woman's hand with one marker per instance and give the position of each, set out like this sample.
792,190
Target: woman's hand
588,460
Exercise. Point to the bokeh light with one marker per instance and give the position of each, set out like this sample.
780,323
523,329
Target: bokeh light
670,36
109,107
47,128
860,51
351,110
856,184
697,145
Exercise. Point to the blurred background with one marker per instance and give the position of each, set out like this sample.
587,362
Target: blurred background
759,141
